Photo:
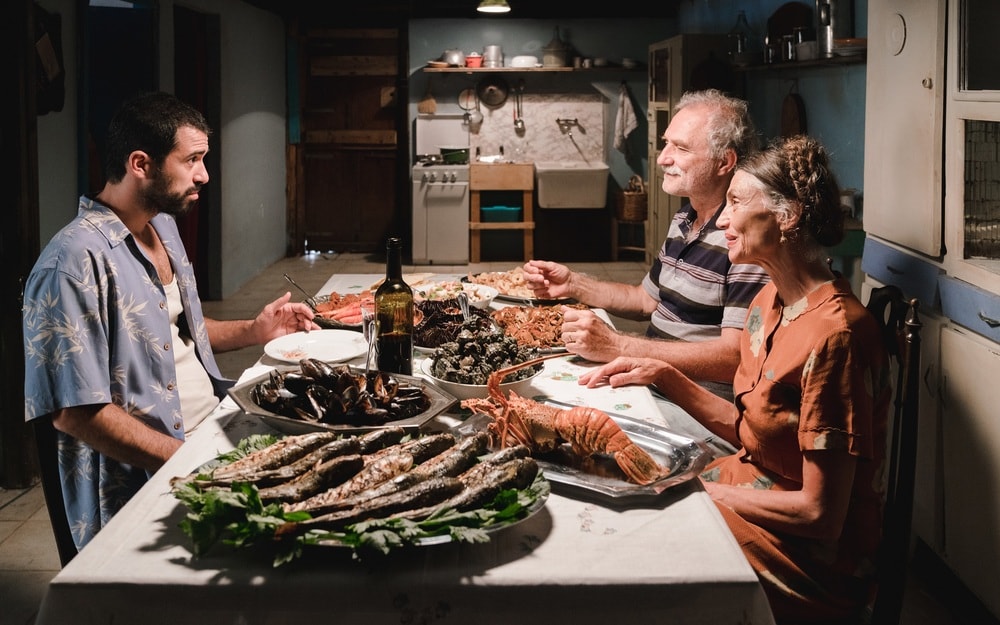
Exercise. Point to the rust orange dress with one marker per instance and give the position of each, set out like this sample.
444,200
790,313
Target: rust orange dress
812,376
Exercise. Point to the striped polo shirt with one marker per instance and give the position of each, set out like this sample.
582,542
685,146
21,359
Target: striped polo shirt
699,290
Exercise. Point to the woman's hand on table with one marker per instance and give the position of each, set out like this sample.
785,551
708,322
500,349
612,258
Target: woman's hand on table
623,371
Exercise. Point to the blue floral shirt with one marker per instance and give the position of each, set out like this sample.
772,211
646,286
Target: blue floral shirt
97,331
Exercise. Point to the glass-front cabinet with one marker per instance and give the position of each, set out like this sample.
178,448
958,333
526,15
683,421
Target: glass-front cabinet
672,65
972,155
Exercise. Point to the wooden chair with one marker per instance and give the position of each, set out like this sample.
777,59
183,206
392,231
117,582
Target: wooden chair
47,442
901,333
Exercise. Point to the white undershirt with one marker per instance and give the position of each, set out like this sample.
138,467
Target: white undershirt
193,384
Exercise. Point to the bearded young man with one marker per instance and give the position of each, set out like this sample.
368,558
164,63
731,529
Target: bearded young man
117,351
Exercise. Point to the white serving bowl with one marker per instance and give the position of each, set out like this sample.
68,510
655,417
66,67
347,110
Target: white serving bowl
524,61
471,391
480,295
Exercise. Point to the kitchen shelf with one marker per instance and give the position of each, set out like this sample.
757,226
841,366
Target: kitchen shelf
508,70
854,59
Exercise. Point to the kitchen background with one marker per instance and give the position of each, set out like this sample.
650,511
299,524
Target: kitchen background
834,96
254,57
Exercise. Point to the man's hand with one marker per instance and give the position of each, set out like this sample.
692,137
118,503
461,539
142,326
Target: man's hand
548,280
588,336
281,317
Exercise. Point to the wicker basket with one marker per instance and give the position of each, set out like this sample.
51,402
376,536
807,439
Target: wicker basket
632,204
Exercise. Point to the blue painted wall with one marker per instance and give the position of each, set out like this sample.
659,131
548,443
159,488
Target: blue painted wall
834,96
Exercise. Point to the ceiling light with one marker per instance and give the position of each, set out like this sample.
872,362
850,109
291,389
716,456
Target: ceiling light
493,6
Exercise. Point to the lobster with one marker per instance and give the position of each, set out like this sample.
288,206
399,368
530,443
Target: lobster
541,428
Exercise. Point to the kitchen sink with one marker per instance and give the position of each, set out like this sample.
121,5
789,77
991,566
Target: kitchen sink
571,184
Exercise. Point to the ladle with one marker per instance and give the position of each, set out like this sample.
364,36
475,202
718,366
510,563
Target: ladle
309,300
518,110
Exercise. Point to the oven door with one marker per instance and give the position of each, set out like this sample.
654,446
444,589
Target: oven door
441,223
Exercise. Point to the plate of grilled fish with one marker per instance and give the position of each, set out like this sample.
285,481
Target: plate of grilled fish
325,489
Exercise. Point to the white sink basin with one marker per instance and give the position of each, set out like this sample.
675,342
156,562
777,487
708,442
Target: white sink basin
571,184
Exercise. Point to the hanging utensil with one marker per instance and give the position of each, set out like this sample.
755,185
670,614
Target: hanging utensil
476,115
793,115
492,90
518,110
428,105
309,300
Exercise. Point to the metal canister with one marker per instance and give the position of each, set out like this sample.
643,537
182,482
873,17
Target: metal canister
788,48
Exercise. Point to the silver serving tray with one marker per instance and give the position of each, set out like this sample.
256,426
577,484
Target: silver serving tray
440,401
600,478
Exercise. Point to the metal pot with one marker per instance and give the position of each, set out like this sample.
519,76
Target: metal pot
455,58
454,155
492,91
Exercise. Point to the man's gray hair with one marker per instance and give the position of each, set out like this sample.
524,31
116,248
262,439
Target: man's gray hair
729,126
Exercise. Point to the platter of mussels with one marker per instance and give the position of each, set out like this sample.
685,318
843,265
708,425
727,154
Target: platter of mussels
317,396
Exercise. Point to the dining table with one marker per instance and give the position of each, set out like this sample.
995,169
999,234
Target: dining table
581,558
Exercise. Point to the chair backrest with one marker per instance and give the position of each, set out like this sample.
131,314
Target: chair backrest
48,462
901,334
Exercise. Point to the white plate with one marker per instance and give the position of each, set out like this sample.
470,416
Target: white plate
325,345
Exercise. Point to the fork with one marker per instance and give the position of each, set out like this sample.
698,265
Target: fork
309,300
463,303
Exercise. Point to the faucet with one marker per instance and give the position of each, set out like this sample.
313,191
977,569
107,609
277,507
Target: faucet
566,124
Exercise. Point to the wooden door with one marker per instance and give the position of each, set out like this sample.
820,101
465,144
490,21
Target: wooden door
349,165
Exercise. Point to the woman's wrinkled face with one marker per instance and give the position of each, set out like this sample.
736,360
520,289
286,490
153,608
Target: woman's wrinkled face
752,229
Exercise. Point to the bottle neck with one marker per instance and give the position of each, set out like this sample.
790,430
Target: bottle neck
393,261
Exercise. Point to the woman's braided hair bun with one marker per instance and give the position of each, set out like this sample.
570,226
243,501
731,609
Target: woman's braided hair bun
816,190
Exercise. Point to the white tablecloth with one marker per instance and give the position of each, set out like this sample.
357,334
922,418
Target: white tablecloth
575,561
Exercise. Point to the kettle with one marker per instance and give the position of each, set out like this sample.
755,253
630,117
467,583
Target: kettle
455,58
835,20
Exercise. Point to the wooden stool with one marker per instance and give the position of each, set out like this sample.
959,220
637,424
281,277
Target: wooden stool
501,177
616,247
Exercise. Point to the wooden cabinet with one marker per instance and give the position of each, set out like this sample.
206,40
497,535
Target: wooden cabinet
971,374
675,65
904,121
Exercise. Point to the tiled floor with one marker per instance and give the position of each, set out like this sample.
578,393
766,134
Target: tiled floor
28,557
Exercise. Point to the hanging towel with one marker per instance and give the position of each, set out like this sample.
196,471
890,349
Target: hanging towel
625,122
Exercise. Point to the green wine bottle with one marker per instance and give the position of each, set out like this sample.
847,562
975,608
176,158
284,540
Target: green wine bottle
394,315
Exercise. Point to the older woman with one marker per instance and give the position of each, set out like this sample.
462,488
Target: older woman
803,493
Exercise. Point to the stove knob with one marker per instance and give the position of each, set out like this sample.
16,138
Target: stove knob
453,177
423,177
432,178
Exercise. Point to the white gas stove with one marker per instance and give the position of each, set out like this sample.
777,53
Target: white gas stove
440,194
